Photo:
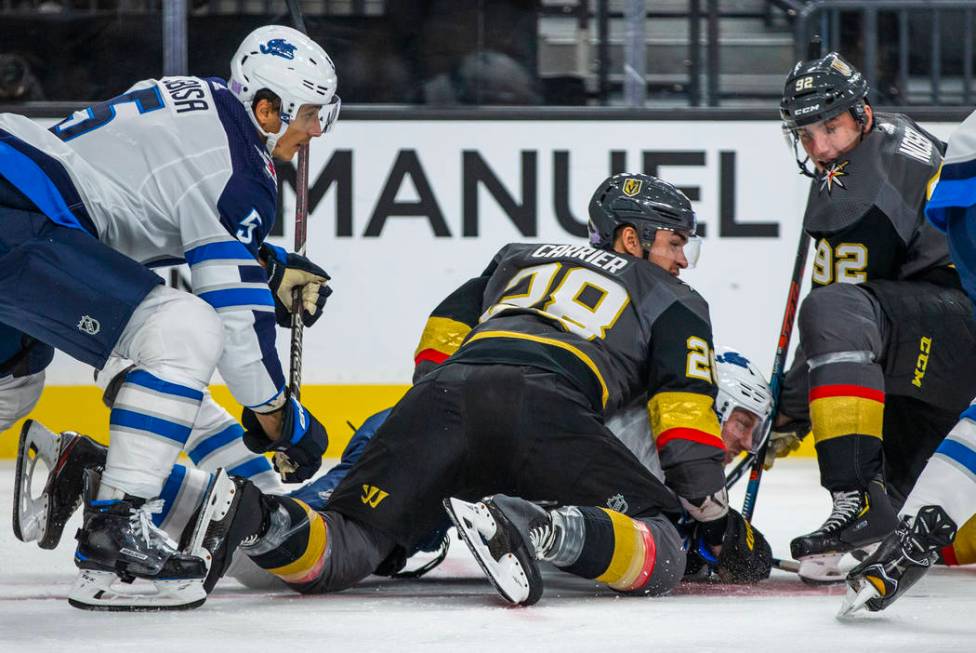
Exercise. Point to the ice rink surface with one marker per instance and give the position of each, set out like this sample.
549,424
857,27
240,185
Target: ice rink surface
454,608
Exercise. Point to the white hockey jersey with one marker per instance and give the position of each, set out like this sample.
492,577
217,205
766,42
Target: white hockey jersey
173,170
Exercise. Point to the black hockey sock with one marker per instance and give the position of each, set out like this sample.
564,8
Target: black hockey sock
847,413
616,550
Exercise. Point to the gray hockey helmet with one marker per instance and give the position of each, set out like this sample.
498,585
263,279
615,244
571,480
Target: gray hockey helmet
643,202
822,89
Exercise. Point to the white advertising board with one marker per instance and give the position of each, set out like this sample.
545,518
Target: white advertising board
405,211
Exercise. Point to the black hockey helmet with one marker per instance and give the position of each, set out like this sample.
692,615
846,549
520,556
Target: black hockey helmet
643,202
821,89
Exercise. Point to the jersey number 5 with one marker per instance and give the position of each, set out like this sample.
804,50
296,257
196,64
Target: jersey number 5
99,115
583,302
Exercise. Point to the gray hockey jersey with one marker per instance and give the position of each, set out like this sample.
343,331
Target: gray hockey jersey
866,212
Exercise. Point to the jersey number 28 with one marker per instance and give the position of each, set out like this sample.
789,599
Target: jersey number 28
584,302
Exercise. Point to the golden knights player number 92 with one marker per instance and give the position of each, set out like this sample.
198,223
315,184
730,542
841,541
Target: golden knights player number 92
845,263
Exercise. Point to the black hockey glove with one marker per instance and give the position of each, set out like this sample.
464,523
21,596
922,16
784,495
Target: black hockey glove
303,441
289,271
745,556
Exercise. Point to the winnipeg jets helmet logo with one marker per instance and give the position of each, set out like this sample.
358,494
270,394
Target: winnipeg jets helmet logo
832,176
279,48
88,324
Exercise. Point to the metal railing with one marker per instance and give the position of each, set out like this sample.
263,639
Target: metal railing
206,7
700,68
824,17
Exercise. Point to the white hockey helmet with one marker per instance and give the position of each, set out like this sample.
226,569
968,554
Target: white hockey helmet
290,65
740,385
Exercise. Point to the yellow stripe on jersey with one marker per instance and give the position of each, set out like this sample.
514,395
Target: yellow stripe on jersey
309,565
933,181
442,334
605,393
683,410
834,417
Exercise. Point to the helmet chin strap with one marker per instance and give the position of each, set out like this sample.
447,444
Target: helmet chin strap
271,138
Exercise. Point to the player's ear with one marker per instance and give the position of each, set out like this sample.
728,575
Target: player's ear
266,114
627,241
868,117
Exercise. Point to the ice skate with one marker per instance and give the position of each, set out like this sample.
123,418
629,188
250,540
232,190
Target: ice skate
860,518
899,562
119,545
232,511
504,534
65,456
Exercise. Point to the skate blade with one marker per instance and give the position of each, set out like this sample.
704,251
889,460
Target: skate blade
853,558
821,569
216,503
476,526
30,513
103,591
855,599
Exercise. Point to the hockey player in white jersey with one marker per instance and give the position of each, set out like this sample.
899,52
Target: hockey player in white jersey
938,519
177,169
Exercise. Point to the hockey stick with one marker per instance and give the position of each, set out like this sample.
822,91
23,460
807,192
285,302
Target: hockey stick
285,465
778,373
814,48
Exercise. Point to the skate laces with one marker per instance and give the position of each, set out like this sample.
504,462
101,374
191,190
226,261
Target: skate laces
542,536
140,519
846,505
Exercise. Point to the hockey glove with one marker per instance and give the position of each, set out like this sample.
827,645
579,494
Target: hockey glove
289,271
303,441
785,438
745,556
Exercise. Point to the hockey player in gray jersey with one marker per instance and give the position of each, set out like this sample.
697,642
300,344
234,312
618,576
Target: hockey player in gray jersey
875,375
551,338
176,169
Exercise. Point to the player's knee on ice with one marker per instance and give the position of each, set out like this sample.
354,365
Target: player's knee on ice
839,318
176,335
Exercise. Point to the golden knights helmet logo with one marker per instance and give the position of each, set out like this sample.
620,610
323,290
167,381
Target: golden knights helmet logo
631,187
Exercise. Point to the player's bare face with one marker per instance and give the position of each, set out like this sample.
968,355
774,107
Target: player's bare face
303,128
668,251
829,140
737,432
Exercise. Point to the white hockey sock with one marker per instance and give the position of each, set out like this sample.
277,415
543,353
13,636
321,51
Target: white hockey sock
181,494
149,424
216,441
949,477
